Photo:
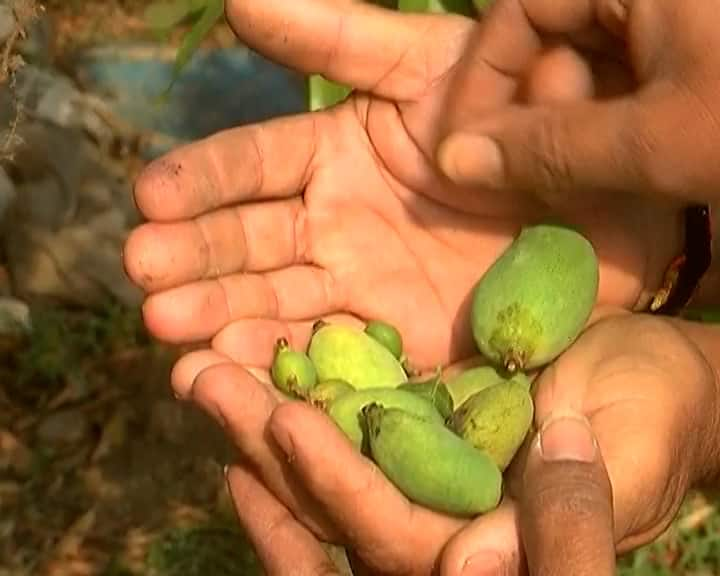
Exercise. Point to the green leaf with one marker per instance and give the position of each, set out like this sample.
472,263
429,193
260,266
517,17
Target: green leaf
203,25
481,6
323,93
707,314
211,13
163,16
464,7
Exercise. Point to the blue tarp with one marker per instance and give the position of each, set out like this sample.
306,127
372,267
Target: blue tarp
219,88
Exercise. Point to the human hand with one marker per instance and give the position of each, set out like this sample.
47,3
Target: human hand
257,232
639,384
629,101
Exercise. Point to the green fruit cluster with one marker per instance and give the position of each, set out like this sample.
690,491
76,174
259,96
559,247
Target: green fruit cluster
445,443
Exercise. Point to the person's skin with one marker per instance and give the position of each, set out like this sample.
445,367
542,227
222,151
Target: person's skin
234,253
651,130
377,233
641,387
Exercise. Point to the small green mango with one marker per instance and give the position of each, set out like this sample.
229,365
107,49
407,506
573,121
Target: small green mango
292,371
496,420
534,301
472,380
324,393
341,352
435,390
346,410
387,335
430,464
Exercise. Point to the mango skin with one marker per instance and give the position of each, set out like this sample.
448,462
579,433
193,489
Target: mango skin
536,298
430,464
496,420
346,410
387,335
341,352
472,380
292,371
325,393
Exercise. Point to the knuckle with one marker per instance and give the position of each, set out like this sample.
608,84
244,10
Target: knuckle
658,169
551,158
568,496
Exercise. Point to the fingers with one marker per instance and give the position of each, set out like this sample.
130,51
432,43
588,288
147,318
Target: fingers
250,342
268,160
489,545
376,521
566,505
281,543
201,309
368,47
251,238
657,141
242,406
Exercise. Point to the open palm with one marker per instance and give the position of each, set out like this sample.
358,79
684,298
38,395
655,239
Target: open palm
258,231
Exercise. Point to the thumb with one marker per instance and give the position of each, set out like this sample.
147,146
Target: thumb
649,143
565,506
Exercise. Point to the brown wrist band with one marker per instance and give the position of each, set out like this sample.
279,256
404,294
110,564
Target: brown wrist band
683,276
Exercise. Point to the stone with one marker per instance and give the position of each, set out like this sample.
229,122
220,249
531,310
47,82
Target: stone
14,316
63,427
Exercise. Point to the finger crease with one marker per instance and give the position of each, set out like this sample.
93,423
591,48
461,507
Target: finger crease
226,298
208,251
259,183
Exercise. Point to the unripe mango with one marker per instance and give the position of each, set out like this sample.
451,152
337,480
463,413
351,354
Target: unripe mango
292,371
472,380
433,389
534,301
326,392
346,410
430,464
496,420
347,353
387,335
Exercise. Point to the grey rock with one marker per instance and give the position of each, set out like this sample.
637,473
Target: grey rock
14,316
63,427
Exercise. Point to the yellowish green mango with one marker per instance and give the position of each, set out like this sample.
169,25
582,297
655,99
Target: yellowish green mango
536,298
341,352
346,410
430,464
472,380
325,393
292,371
387,335
496,420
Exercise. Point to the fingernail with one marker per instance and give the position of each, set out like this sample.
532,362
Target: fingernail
471,159
226,471
567,436
483,564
